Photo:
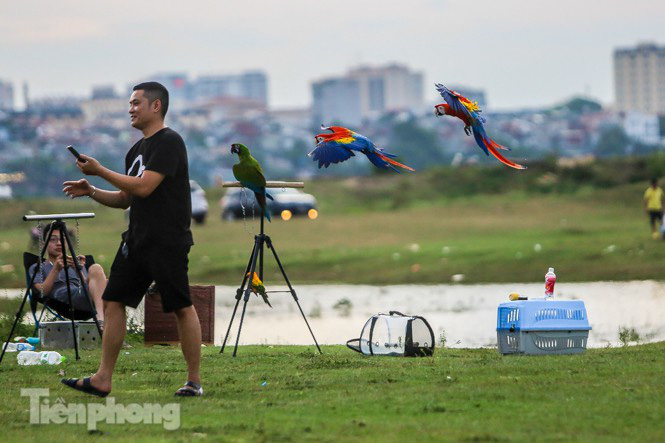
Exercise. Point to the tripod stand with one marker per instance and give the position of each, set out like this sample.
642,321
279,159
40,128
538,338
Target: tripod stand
256,257
65,242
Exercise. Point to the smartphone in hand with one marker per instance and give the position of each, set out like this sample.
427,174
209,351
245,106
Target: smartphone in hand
75,153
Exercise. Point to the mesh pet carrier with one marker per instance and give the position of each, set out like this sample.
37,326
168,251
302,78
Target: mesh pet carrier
395,334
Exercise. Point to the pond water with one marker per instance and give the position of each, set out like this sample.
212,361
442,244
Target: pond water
464,314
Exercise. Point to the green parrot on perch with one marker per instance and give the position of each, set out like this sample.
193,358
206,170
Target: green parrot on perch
248,172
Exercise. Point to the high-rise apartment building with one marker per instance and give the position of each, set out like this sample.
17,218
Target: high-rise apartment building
367,92
6,96
252,85
388,88
336,100
639,78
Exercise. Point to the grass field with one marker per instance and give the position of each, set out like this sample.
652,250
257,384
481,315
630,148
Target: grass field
377,231
612,394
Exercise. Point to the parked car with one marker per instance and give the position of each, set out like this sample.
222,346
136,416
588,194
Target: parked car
199,203
287,203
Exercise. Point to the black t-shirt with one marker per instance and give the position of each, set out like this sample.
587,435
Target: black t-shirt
162,218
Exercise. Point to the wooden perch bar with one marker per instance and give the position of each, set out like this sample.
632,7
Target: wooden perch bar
271,184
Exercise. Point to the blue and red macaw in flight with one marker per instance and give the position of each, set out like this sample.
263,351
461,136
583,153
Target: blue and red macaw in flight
461,107
339,145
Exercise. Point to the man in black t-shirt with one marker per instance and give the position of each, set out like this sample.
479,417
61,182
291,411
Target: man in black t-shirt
156,244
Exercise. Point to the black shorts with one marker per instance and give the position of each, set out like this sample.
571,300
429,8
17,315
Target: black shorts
167,266
655,216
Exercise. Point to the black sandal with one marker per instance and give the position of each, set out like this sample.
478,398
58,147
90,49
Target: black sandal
86,387
190,389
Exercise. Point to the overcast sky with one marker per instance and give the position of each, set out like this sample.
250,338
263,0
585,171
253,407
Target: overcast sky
524,53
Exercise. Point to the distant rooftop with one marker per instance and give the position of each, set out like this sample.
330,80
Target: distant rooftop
641,48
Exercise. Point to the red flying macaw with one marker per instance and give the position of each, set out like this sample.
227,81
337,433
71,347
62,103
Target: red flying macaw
338,146
461,107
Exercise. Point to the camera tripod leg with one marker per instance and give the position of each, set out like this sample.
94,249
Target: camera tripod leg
239,292
255,255
293,292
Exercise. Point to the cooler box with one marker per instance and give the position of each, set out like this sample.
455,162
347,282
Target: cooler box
542,327
58,335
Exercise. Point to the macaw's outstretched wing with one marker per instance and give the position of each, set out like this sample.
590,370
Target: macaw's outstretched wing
460,104
331,151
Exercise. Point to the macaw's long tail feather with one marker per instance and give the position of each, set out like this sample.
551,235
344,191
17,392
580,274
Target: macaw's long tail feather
495,145
387,154
261,199
501,158
390,162
477,135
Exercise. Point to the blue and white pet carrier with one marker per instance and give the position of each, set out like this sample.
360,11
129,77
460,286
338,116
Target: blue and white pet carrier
542,327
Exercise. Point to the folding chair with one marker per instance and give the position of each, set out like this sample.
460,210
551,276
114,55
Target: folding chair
57,308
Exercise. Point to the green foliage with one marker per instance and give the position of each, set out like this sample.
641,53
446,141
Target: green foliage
8,309
628,335
612,142
443,339
580,105
418,147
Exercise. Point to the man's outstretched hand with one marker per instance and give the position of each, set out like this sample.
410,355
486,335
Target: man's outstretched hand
90,166
79,188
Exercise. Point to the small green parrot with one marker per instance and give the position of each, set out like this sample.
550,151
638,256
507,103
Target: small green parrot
248,172
258,288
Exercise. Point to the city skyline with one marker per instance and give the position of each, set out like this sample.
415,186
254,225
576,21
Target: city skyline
523,54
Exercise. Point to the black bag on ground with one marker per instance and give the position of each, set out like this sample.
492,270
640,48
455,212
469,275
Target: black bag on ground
395,334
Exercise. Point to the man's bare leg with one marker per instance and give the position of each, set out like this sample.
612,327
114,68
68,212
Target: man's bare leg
189,330
115,328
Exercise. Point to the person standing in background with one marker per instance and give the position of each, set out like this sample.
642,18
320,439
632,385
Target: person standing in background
653,205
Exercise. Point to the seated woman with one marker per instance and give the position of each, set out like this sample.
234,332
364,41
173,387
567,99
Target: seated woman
51,278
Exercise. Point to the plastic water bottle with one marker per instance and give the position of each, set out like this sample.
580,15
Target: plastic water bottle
13,347
9,347
28,358
50,358
550,279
